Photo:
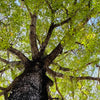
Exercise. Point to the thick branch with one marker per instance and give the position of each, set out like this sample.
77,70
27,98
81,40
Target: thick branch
53,73
53,54
52,26
63,22
19,54
44,44
32,35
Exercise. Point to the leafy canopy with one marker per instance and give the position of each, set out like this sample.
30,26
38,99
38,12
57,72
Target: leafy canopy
76,28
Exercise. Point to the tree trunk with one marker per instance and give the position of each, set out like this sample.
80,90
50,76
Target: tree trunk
31,84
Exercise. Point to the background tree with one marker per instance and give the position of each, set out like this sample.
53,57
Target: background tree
49,43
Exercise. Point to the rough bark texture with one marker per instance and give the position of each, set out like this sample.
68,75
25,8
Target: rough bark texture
31,84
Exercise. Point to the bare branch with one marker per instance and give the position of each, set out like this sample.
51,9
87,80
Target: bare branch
56,74
32,35
53,54
44,44
19,54
58,89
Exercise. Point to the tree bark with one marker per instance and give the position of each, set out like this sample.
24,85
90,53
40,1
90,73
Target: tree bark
31,84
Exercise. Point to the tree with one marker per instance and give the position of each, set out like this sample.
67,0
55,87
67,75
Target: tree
49,49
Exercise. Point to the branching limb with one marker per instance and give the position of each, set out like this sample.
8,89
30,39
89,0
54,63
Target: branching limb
56,74
66,21
19,54
52,26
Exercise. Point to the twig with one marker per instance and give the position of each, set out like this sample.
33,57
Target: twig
49,6
27,7
61,68
58,89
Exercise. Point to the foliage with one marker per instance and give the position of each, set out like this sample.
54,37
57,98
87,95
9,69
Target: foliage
79,36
